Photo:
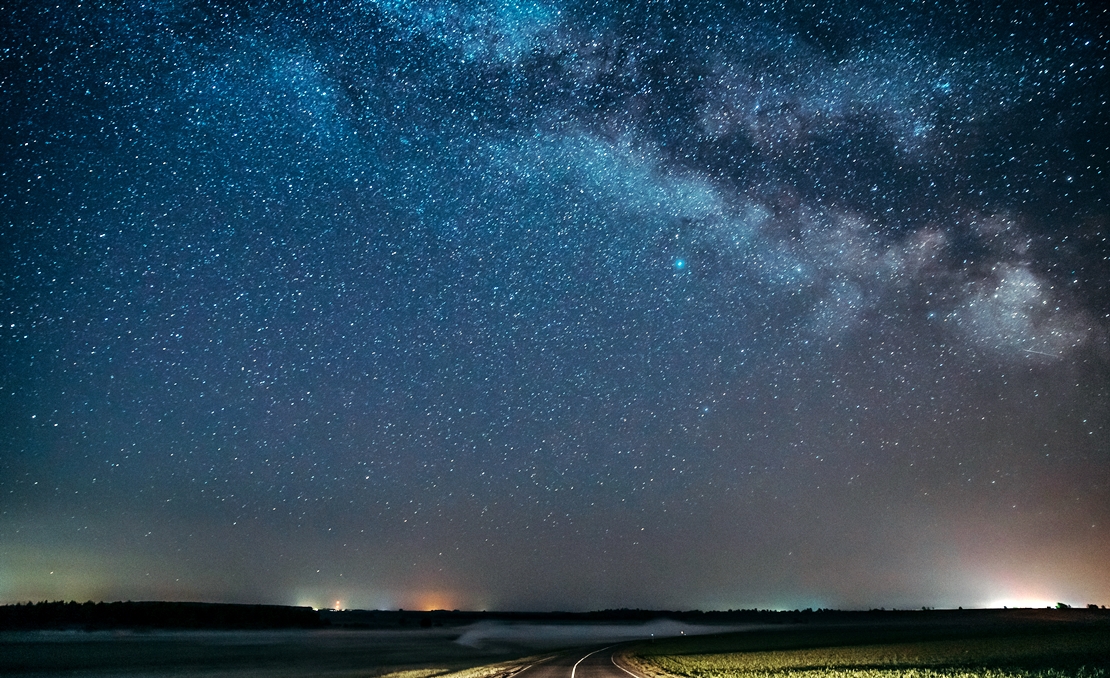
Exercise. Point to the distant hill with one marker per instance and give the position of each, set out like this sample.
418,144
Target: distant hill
155,615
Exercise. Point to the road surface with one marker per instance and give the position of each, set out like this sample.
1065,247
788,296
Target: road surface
586,663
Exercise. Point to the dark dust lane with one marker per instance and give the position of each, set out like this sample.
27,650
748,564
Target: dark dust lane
597,663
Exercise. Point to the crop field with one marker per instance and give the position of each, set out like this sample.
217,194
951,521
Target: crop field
880,653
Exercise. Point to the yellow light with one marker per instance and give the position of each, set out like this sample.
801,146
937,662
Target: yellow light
1021,602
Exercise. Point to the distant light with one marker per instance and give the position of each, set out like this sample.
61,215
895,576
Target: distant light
679,264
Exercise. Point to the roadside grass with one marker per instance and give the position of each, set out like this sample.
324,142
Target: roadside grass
1079,653
498,670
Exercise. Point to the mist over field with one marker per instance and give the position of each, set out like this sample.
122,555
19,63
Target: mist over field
491,633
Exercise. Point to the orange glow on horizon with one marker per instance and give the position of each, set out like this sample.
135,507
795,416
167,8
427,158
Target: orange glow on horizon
434,600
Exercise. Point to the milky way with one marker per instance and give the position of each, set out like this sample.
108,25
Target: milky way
535,305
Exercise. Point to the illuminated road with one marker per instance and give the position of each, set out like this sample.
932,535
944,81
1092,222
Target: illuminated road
584,664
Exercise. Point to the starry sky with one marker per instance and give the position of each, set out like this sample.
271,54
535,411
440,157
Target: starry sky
555,304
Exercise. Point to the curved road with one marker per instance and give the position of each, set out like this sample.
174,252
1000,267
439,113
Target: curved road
597,663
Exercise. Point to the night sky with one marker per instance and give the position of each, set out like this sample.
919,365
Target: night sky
537,304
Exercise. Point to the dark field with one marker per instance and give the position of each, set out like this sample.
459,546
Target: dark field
325,652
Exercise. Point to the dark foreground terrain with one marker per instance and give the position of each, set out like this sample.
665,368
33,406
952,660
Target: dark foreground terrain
213,641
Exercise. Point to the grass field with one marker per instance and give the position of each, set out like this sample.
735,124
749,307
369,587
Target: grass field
881,653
